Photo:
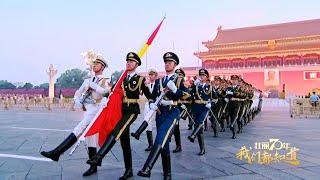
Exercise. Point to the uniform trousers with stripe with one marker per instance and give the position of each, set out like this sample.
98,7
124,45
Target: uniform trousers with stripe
166,122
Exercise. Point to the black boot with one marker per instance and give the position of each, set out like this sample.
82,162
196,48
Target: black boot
233,132
247,119
152,158
106,147
215,133
228,122
201,143
195,132
65,145
205,124
239,126
222,126
93,169
250,117
150,140
139,131
177,138
166,166
127,155
190,124
127,174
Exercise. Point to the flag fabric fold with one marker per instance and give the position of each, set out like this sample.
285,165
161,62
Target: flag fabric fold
106,121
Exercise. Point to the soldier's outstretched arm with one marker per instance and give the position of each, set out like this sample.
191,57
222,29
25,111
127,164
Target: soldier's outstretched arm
100,88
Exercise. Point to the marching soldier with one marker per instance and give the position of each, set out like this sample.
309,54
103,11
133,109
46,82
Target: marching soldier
242,98
185,106
218,99
132,86
201,93
248,102
223,116
191,122
234,95
259,106
167,116
153,75
89,97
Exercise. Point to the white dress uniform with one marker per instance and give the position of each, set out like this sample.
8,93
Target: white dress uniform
92,105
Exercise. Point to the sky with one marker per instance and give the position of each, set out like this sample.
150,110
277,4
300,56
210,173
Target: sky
35,33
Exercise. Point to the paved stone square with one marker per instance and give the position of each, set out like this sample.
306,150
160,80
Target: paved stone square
24,134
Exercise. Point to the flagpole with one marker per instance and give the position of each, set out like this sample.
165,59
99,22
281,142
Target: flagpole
146,62
141,52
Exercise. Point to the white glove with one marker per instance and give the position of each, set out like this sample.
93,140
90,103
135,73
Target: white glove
208,105
183,106
153,106
96,87
172,86
77,104
229,92
103,102
226,99
166,103
196,82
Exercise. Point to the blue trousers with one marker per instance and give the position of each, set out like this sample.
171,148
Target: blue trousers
166,122
199,112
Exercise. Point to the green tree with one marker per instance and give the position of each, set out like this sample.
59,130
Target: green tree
72,78
27,85
115,76
44,85
4,84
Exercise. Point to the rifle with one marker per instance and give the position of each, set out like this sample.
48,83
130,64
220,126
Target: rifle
215,119
149,114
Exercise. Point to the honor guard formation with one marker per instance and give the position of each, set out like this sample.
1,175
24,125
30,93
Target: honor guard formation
224,104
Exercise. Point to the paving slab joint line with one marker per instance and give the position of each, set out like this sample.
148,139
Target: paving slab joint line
61,172
273,169
21,144
25,177
291,174
3,163
250,173
114,155
215,168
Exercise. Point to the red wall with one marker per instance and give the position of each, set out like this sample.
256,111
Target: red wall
294,81
255,78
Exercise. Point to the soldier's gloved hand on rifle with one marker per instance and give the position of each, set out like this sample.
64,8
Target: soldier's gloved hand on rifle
226,99
172,86
153,106
166,103
208,105
183,106
103,102
98,88
229,92
77,103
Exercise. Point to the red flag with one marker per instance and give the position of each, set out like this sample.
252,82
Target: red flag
109,117
111,114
